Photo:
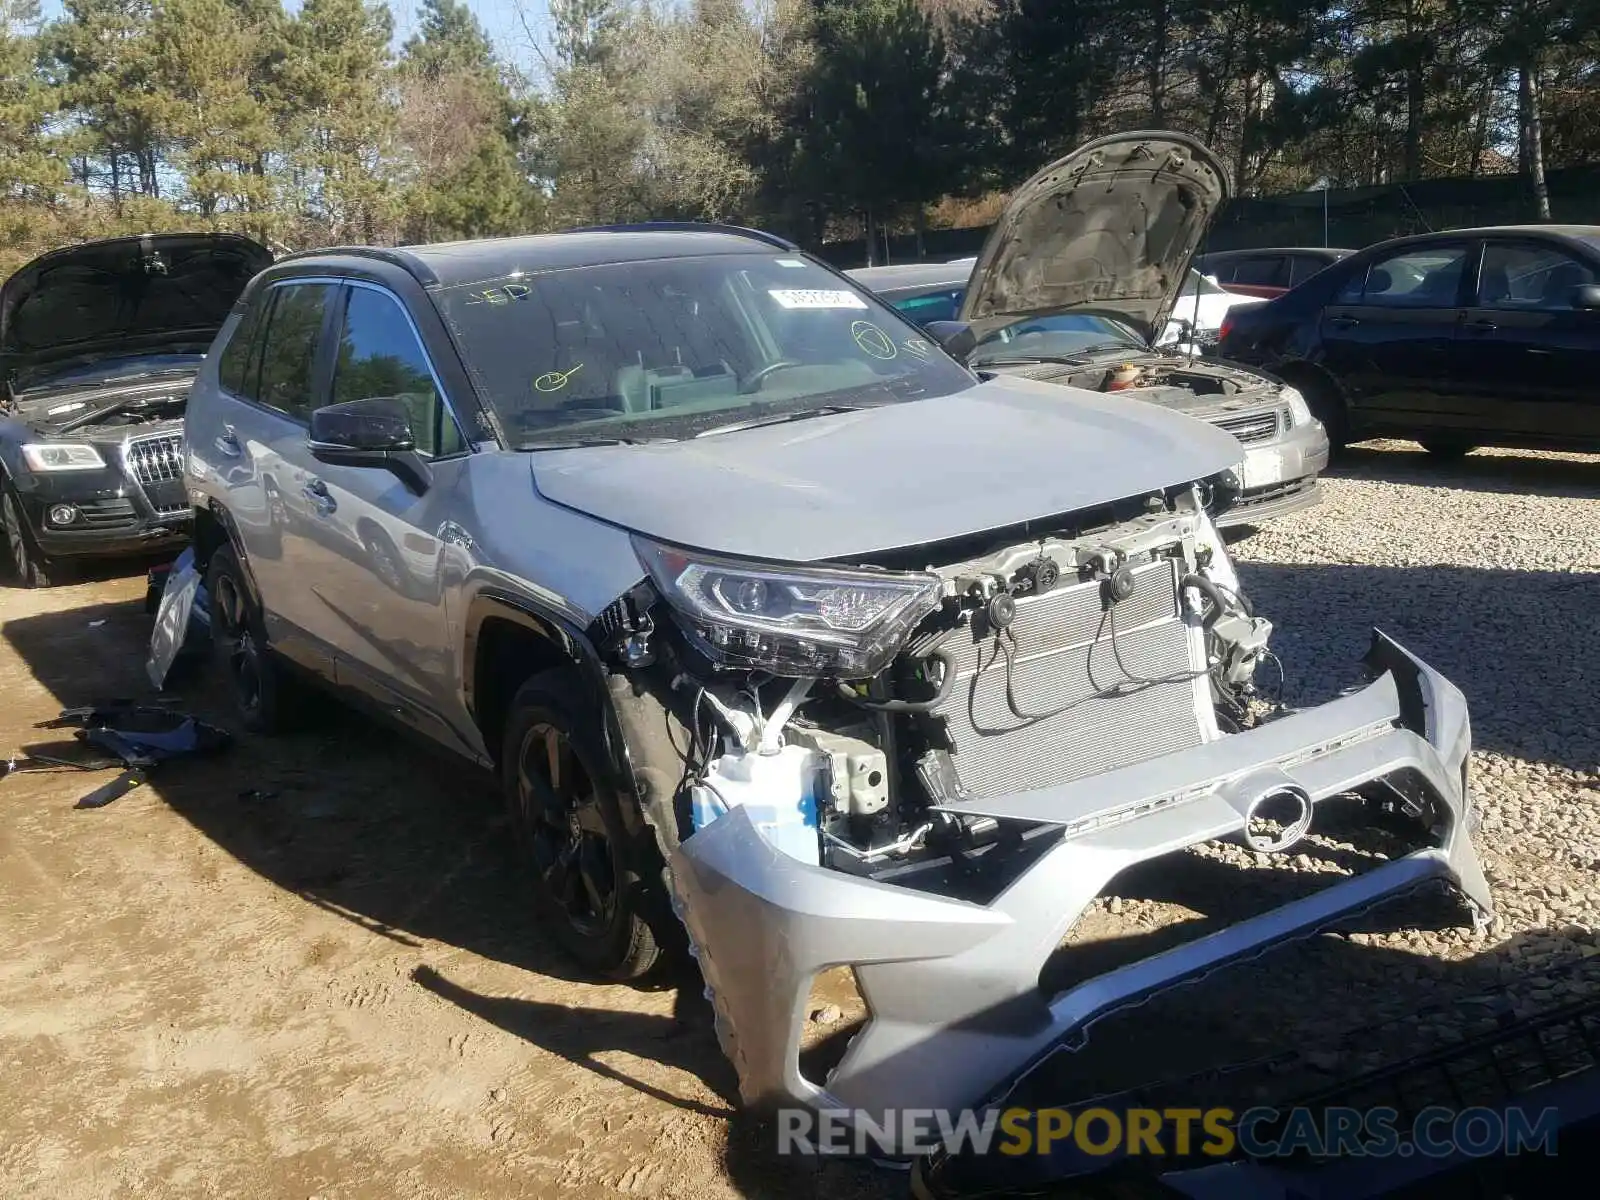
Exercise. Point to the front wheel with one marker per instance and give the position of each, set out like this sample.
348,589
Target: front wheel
593,897
24,563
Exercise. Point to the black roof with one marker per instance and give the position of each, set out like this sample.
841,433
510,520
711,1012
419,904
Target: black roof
447,264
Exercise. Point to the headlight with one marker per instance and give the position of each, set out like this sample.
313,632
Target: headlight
1299,411
62,456
790,620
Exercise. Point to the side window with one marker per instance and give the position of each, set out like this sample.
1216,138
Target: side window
1525,276
934,306
1427,277
1260,271
1302,267
290,348
235,368
379,355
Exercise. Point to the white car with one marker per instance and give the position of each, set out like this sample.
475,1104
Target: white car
1203,303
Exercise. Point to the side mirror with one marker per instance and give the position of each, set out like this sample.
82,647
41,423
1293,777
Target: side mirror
955,338
1586,296
373,432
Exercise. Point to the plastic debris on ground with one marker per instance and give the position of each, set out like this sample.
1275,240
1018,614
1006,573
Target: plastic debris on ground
138,737
183,623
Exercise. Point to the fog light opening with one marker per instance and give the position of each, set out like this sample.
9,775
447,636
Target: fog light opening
63,514
1277,821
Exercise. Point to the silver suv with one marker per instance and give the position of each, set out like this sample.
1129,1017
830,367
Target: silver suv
782,629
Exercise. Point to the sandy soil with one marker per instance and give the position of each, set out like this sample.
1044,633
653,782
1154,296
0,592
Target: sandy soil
307,969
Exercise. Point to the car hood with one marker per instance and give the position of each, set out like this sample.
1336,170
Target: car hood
993,456
1110,228
121,296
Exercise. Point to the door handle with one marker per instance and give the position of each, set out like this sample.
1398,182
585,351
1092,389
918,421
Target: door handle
227,443
1482,326
1344,322
317,492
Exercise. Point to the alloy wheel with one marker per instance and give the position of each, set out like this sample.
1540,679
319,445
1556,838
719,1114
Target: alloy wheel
241,651
565,831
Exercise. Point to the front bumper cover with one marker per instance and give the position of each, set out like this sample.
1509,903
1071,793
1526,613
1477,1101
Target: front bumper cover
956,1010
1280,476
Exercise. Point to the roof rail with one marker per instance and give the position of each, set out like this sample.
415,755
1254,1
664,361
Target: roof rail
759,235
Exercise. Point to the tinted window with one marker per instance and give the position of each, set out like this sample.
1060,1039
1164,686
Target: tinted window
1424,278
1259,272
235,367
379,355
1530,277
935,306
1303,266
673,347
290,349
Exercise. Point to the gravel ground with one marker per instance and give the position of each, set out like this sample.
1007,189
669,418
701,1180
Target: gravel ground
1489,569
306,969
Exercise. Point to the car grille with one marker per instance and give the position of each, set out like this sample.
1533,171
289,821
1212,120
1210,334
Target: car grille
156,464
1253,427
1062,638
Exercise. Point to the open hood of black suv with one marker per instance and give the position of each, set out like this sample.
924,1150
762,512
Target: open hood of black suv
1109,229
131,295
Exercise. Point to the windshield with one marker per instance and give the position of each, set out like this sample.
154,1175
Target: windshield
1066,335
671,348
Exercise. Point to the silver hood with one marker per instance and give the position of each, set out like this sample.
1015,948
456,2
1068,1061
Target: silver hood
1110,228
995,455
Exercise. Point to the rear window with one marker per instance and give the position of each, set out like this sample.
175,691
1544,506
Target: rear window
935,306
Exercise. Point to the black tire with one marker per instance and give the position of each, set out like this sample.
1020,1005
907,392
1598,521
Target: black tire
263,695
24,565
593,892
1446,448
1328,406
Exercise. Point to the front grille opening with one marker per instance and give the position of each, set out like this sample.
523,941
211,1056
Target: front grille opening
1173,900
1253,427
835,1011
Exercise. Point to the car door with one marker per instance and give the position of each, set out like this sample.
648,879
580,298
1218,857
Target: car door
255,436
373,542
1526,352
1388,334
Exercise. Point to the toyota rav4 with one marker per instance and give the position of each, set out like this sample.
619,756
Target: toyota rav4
782,630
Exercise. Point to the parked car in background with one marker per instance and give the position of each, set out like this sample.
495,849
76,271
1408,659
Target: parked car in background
1476,337
98,345
1065,293
1268,272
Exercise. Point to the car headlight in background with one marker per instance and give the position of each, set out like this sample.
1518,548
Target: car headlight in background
832,621
61,456
1299,411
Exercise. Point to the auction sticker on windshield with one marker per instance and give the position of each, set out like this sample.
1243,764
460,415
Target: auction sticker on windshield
816,298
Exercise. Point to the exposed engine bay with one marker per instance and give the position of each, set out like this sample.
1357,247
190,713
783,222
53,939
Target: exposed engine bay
927,765
1103,640
84,413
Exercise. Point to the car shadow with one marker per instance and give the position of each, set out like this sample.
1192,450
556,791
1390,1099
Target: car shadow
1535,704
1489,469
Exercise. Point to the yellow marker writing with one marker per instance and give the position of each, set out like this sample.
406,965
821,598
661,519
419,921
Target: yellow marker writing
554,381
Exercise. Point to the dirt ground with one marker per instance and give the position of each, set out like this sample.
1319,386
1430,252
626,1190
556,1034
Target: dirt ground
306,969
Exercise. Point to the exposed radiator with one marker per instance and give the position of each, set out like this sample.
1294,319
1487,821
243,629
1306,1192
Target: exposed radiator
156,464
1056,650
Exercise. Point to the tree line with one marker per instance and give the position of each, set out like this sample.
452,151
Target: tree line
813,117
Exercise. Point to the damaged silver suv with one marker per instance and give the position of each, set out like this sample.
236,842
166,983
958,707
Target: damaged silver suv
781,627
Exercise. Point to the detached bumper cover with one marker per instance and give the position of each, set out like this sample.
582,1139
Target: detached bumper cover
953,987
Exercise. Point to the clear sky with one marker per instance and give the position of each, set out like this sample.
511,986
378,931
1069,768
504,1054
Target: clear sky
499,17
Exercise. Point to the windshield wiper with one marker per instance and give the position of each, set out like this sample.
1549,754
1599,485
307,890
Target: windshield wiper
1028,360
581,443
805,414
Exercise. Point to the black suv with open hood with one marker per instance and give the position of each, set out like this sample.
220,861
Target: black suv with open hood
98,345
